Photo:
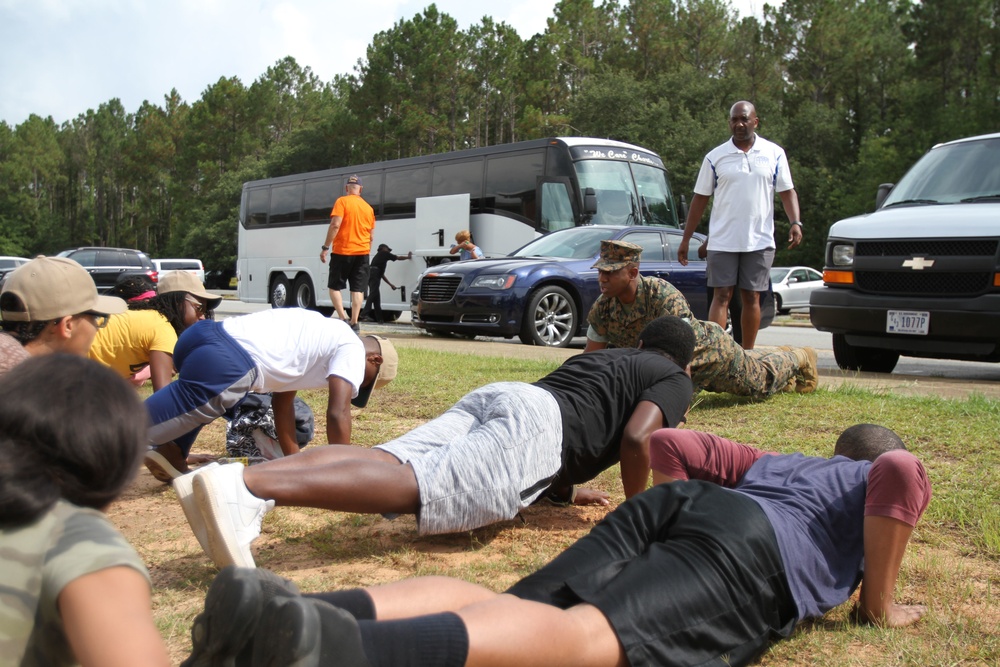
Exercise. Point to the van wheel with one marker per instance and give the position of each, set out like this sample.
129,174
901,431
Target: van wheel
855,358
278,294
550,318
303,295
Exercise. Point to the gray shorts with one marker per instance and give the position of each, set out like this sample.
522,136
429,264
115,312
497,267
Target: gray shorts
485,459
747,270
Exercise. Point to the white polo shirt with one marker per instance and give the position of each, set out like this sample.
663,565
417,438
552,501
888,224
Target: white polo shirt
298,349
744,184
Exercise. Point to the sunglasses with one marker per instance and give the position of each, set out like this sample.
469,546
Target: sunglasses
100,319
199,307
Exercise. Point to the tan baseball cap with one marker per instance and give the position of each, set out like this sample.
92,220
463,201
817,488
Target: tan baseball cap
48,288
386,372
617,255
182,281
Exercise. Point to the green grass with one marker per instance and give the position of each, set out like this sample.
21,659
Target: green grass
953,564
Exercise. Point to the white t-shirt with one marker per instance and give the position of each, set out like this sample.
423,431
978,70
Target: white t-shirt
298,349
744,184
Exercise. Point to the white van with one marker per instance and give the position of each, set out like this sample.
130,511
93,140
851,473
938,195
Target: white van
920,276
193,266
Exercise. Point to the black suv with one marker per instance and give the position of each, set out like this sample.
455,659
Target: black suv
107,265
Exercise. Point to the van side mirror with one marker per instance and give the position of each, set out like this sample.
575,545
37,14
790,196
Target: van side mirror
589,202
883,191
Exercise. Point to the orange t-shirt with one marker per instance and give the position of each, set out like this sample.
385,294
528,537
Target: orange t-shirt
355,234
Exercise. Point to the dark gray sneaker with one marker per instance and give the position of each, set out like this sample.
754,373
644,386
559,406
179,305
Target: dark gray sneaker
306,632
223,634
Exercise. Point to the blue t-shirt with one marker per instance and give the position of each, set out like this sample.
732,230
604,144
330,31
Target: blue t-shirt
821,542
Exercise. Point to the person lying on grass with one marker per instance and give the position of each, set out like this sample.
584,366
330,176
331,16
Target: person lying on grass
496,451
728,555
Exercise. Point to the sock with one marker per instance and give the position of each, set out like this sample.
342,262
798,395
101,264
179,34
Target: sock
437,640
354,601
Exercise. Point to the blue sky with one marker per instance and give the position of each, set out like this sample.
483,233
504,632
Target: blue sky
61,57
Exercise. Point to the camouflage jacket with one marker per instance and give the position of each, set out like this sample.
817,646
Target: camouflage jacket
622,323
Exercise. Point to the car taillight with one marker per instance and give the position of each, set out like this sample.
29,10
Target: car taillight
154,276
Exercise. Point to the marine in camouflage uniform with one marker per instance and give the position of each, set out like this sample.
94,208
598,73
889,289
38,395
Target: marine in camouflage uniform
719,363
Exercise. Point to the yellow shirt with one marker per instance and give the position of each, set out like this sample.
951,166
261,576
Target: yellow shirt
126,342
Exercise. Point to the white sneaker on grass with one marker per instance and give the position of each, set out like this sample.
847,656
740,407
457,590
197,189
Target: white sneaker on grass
184,488
232,514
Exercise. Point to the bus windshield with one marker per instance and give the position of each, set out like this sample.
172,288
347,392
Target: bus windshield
617,200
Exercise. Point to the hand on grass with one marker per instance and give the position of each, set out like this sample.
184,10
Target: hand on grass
585,496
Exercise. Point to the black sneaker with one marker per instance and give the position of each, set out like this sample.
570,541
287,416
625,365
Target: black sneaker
356,328
223,633
306,632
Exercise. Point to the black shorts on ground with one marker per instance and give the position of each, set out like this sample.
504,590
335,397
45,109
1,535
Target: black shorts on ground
348,270
687,573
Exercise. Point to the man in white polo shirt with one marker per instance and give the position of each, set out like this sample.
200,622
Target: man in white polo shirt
743,174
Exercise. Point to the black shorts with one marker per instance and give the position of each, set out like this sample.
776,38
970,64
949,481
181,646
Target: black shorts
348,270
687,573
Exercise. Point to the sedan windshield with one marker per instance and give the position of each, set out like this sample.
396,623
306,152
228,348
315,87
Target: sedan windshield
777,275
966,171
577,243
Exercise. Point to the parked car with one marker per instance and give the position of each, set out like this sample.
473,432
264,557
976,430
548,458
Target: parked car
543,291
921,275
107,265
8,264
792,286
192,266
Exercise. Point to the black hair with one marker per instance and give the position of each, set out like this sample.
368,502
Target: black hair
866,442
69,428
170,305
24,332
132,285
672,336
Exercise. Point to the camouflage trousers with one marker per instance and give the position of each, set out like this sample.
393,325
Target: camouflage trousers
721,365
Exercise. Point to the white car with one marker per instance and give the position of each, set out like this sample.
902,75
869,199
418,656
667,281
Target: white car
793,285
8,264
192,266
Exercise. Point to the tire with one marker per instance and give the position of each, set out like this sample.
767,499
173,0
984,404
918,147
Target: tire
392,315
777,306
279,294
870,359
550,319
303,295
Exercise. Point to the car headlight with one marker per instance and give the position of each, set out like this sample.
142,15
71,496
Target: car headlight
494,282
842,254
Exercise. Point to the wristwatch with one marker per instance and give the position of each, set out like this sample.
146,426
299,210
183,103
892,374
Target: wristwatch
796,223
326,247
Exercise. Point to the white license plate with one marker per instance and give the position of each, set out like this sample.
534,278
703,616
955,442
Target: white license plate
913,322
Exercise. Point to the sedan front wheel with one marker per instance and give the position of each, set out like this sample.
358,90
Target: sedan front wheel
550,318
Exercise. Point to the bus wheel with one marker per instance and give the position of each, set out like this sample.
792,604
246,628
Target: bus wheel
302,293
278,294
550,318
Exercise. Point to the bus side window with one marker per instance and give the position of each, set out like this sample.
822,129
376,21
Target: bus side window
511,182
372,190
403,187
257,200
557,211
319,198
286,204
458,178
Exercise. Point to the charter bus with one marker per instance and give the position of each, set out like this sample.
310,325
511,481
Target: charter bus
506,195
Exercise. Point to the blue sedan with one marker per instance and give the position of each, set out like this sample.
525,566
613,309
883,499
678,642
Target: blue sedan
543,291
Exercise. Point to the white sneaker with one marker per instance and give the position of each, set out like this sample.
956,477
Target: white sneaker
183,487
231,513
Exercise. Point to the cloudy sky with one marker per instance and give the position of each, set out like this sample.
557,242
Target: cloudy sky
61,57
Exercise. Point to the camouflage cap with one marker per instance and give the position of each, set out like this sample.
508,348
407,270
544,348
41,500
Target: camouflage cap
617,255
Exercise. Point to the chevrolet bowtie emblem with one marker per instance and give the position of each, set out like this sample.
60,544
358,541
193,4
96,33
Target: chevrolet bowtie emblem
918,263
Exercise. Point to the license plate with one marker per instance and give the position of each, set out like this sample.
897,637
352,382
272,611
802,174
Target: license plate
915,322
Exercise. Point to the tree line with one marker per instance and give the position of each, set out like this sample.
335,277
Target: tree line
855,90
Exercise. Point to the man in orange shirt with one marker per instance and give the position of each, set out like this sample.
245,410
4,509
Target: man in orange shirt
350,235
